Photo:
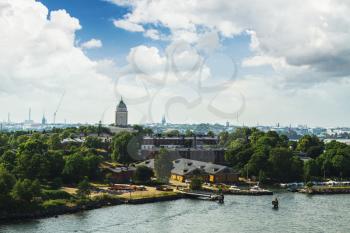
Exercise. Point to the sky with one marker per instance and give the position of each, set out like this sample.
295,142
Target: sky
247,62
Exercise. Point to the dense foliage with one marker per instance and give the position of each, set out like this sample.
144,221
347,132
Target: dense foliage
143,175
268,156
31,162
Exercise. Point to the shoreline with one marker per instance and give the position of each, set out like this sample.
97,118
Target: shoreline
91,205
325,190
114,201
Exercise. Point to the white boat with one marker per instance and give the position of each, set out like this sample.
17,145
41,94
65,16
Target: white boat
256,188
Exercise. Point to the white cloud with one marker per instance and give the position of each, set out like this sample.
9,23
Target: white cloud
127,25
39,61
91,44
153,34
315,35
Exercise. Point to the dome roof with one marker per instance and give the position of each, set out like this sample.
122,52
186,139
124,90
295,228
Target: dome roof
121,105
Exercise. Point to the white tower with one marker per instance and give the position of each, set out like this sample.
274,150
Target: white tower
121,115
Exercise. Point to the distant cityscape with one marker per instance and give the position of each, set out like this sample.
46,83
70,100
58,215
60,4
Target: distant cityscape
293,132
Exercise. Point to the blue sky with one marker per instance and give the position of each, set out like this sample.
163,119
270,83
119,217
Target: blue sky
177,58
95,17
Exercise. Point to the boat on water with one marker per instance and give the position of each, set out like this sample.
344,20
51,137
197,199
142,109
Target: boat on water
275,203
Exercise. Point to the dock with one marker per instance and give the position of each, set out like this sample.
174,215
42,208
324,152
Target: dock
250,192
203,196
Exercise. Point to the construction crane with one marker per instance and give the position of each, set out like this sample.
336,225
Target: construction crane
58,107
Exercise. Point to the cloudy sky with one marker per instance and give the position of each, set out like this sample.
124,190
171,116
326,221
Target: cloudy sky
243,61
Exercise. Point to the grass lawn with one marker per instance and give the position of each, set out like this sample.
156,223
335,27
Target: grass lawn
69,190
150,192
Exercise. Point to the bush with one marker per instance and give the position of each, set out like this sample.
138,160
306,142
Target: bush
54,203
143,175
55,194
309,184
104,197
196,183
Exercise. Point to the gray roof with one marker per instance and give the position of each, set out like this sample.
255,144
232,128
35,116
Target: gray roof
120,169
121,104
187,166
148,163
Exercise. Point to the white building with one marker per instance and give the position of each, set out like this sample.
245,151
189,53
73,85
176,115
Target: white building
121,115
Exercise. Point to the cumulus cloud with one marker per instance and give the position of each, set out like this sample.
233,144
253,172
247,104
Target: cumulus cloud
128,25
91,44
315,35
153,34
40,60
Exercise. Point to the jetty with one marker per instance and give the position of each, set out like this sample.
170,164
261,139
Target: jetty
203,196
250,192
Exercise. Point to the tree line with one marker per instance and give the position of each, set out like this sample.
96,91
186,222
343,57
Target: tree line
271,157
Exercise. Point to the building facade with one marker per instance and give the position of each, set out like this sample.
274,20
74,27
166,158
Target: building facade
204,149
121,114
186,169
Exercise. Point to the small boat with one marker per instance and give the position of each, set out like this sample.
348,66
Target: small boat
256,188
275,203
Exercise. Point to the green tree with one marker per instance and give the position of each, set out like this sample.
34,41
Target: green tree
92,165
189,133
120,147
7,181
74,168
341,163
8,159
223,138
196,183
172,133
311,169
296,169
93,142
84,189
54,142
143,175
55,164
162,166
26,190
238,153
210,134
258,163
283,165
311,145
32,160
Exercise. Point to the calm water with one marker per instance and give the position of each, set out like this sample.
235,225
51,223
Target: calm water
297,213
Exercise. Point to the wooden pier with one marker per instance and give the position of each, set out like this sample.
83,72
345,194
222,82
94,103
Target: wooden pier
203,196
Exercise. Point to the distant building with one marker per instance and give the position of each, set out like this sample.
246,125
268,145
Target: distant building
43,120
163,120
204,149
121,115
175,142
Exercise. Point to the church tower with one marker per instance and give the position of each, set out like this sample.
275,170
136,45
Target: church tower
121,115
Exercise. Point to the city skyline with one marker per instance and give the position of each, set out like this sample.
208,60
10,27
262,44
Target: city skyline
75,60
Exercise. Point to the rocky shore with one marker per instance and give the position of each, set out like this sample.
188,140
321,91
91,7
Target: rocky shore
325,190
90,205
